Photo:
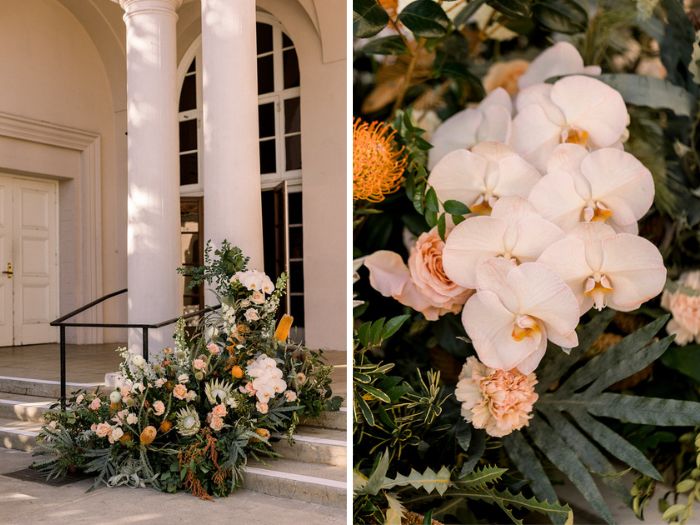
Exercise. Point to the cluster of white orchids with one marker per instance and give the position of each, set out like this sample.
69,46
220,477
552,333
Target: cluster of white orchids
552,231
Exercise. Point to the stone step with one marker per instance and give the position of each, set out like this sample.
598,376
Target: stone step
18,435
23,408
337,420
315,445
40,387
310,482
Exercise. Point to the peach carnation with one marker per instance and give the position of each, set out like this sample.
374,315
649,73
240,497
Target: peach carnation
219,410
684,304
216,423
499,401
103,429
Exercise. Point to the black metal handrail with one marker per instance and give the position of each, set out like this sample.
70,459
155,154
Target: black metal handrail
62,324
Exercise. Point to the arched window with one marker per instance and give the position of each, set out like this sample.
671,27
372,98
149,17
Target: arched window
279,125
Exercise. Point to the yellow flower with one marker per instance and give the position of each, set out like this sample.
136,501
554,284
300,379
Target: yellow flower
148,435
285,324
377,164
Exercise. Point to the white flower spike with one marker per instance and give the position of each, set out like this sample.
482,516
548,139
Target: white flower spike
607,185
515,310
575,110
479,177
490,120
604,268
514,231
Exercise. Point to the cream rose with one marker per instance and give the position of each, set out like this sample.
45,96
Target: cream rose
180,391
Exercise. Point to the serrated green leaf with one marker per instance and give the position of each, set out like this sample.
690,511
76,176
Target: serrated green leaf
566,461
429,480
651,92
425,18
368,18
376,478
395,512
454,207
644,410
388,45
615,444
482,477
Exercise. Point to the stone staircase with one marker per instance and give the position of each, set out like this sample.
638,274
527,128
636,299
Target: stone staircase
312,469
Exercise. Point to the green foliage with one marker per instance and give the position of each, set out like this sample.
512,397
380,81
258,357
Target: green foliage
652,92
425,18
368,18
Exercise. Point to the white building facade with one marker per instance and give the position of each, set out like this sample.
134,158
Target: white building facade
132,131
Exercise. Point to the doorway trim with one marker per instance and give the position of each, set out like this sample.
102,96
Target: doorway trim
88,284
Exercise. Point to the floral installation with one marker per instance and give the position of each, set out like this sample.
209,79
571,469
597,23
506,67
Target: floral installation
515,287
192,417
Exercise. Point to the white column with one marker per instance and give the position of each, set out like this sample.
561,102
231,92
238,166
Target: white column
154,188
232,203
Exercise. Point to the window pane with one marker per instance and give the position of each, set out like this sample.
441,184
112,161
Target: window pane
286,41
188,95
291,69
296,243
266,120
193,66
296,277
189,216
264,37
188,169
295,208
293,152
298,310
292,116
266,75
188,135
268,158
190,248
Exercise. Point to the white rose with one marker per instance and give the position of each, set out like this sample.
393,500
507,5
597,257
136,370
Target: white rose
138,361
115,397
251,315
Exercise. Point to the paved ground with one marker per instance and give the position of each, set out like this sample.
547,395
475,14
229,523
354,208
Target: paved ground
29,503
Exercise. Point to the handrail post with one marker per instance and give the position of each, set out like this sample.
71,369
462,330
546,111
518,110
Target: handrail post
145,343
63,366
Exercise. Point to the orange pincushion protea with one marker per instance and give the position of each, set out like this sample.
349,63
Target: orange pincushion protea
377,164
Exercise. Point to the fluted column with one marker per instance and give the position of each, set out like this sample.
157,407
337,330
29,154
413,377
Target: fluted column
232,202
155,292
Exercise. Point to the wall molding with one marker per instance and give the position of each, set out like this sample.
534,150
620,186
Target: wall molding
87,199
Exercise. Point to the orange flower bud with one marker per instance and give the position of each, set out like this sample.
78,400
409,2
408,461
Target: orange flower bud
126,439
285,324
148,435
165,426
237,372
262,432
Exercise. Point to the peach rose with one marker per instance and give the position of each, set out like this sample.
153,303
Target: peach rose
505,75
262,407
103,429
423,285
213,348
180,391
199,364
219,410
684,304
159,407
499,401
216,423
95,404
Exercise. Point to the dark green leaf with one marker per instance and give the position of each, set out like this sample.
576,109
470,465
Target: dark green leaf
431,217
389,45
684,359
511,8
615,444
442,226
368,18
375,333
393,325
477,446
365,411
566,461
466,13
376,393
431,200
425,18
561,16
652,92
458,219
454,207
363,334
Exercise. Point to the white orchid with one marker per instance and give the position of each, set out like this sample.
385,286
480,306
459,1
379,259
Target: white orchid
479,177
576,110
490,120
607,185
560,59
514,231
605,268
515,310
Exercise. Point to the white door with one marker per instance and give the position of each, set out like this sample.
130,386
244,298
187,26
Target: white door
28,260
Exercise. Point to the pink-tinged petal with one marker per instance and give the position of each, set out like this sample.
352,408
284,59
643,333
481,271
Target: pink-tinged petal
542,294
590,105
512,208
534,234
457,132
565,340
515,176
567,157
532,361
556,198
560,59
492,275
412,297
616,176
499,97
388,274
471,242
534,135
635,268
495,125
567,258
459,176
490,326
536,94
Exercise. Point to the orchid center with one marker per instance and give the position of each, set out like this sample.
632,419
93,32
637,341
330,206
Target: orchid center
596,212
598,287
524,327
484,203
574,136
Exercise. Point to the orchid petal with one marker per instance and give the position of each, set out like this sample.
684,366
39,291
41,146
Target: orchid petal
515,176
457,132
534,135
567,157
556,198
460,175
499,97
560,59
495,125
492,275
